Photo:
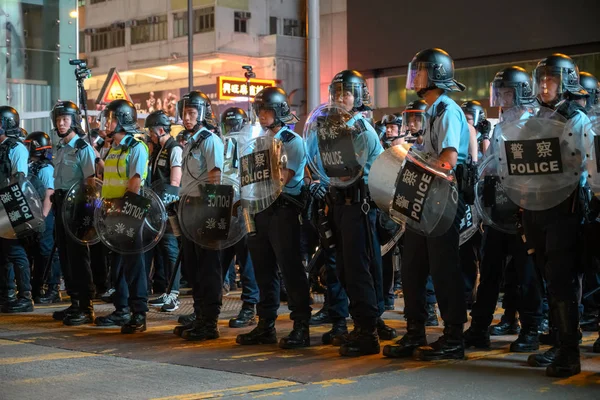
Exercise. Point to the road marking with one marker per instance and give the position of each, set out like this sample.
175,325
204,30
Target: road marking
8,342
331,382
253,355
44,357
583,379
268,395
231,391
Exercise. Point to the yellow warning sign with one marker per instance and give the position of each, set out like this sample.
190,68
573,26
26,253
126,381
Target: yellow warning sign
113,89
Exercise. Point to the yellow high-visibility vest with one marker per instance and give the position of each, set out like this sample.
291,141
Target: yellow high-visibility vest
116,170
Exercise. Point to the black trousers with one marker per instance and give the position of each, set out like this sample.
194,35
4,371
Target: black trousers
470,255
130,277
591,263
276,243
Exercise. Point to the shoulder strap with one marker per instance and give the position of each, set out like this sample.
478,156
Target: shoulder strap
287,136
80,144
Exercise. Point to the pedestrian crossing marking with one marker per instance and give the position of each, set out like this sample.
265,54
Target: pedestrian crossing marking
44,357
231,391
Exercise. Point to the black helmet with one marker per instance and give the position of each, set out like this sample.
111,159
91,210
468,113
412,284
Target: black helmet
564,68
439,67
393,119
67,108
233,120
38,143
122,111
158,118
380,129
590,84
474,108
274,98
9,122
413,117
353,82
198,100
514,78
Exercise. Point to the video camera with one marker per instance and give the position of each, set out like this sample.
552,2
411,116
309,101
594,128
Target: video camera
81,71
249,74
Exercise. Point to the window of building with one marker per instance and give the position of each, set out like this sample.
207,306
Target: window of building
273,26
293,27
204,21
96,1
108,37
150,29
240,21
81,41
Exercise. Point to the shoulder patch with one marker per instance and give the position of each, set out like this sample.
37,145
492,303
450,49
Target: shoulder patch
80,144
287,136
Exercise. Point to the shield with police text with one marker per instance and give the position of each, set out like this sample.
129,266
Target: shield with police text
21,209
336,145
262,169
132,224
469,225
210,214
540,160
168,193
78,211
414,189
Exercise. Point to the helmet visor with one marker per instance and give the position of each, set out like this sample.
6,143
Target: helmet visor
413,122
189,110
108,121
418,76
502,95
548,83
346,93
231,126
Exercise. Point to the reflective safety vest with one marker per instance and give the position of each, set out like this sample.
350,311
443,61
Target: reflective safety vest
116,169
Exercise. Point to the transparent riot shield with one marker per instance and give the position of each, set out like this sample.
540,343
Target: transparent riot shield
21,209
211,216
78,211
132,224
493,205
165,191
540,160
593,160
414,189
336,145
469,225
262,163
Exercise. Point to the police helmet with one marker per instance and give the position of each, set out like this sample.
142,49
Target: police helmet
233,120
38,144
562,67
432,68
393,119
413,117
274,98
9,122
591,85
380,128
67,108
198,100
474,108
353,82
515,78
124,113
158,118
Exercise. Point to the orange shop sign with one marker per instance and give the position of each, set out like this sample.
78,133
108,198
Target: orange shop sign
230,87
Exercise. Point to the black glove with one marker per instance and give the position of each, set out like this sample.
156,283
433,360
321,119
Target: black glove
484,127
318,190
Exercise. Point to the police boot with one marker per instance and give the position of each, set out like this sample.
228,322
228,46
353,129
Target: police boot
264,333
338,328
321,317
116,318
414,337
73,308
7,297
179,329
246,317
478,336
82,316
187,319
23,303
550,338
346,337
567,361
203,329
450,346
543,359
52,295
527,341
432,319
596,348
589,321
298,337
137,323
508,325
384,331
363,343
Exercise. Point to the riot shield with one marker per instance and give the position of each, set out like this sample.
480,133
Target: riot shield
210,215
540,160
593,160
493,205
262,160
132,224
415,189
78,210
336,145
469,225
165,191
21,209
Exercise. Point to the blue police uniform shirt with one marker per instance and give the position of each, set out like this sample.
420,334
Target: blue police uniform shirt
72,165
46,176
449,130
19,159
296,160
374,147
200,159
138,158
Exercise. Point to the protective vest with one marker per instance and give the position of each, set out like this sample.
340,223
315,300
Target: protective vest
161,161
5,164
116,169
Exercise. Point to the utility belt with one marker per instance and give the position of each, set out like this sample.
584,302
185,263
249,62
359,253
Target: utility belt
290,200
357,193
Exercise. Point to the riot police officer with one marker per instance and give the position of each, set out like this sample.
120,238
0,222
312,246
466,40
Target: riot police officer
165,175
202,159
591,85
413,122
125,170
13,160
479,128
431,75
278,233
393,129
41,168
554,232
74,163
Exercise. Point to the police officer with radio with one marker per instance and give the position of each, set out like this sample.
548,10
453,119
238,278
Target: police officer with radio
278,233
125,170
431,75
202,159
13,160
74,163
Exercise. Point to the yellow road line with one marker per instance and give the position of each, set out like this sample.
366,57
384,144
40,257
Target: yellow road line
253,355
585,378
44,357
231,391
8,342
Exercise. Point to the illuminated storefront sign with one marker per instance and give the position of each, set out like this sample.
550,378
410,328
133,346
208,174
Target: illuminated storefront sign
232,87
